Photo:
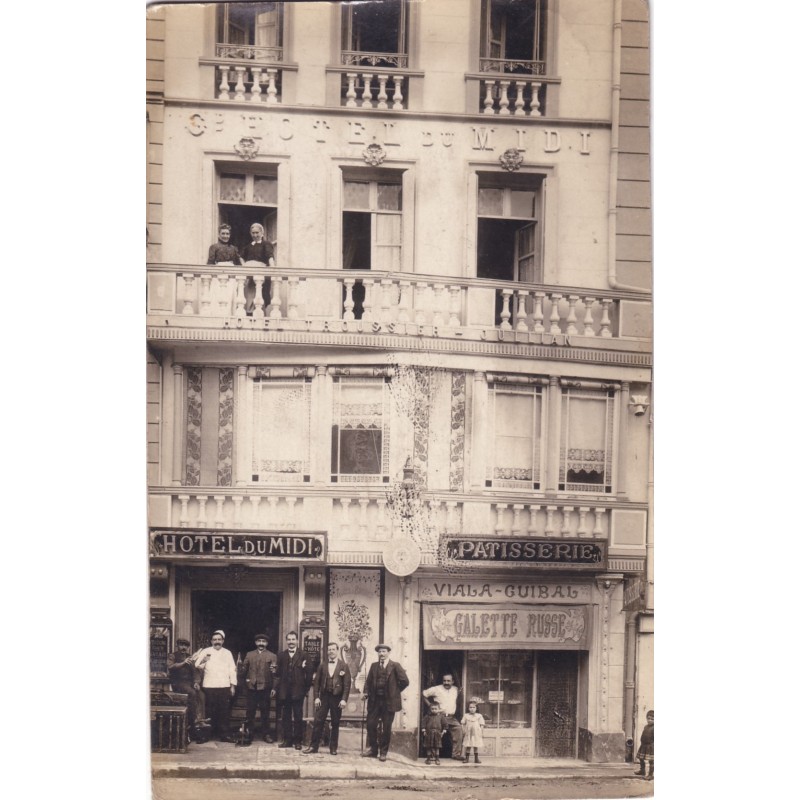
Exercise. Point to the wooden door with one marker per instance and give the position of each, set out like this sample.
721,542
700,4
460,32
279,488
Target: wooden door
556,704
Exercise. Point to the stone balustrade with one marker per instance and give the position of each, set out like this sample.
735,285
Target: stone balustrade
350,300
373,88
512,96
554,520
254,83
221,508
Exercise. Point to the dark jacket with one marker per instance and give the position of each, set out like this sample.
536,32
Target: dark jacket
253,675
338,686
179,672
396,681
292,680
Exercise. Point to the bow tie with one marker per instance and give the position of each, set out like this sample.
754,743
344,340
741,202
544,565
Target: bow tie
331,660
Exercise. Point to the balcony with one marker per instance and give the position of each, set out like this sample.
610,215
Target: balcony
248,73
402,304
510,94
375,83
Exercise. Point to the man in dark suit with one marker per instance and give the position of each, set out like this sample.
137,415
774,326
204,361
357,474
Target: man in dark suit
292,682
331,690
259,666
385,681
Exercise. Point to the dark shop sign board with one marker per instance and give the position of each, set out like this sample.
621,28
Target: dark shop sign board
557,553
212,545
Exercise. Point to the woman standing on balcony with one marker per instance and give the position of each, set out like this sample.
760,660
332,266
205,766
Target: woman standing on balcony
258,253
223,252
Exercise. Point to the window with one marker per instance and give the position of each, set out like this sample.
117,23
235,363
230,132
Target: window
587,435
501,680
250,30
281,431
375,34
515,458
360,434
246,197
513,36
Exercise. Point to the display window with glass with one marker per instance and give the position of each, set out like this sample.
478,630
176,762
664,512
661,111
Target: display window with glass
500,681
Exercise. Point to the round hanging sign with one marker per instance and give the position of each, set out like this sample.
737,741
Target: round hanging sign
401,556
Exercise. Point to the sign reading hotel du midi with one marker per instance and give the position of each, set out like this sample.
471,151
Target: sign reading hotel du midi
260,545
557,553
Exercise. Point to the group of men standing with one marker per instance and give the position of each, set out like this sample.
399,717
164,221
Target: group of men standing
287,677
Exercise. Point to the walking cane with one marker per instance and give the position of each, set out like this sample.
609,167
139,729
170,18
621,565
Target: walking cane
363,711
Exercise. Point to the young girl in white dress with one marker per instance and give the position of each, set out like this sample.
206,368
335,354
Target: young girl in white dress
472,723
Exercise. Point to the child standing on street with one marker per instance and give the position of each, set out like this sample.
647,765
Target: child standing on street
472,723
432,733
645,752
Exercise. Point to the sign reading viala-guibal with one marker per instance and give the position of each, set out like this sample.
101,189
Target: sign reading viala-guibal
249,544
542,552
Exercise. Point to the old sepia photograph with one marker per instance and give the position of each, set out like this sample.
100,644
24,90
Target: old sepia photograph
399,399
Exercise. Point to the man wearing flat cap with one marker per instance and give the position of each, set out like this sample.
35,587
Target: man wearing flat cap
219,684
258,668
184,677
385,681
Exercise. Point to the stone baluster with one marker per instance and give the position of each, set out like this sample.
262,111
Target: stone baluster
488,99
535,105
382,96
363,502
519,102
201,521
386,300
219,519
275,298
538,313
368,297
438,303
572,318
435,514
255,92
240,299
566,513
504,112
366,94
224,85
549,525
351,90
516,525
397,97
272,88
533,526
258,311
223,300
582,512
188,291
455,307
184,517
345,523
554,315
522,314
505,313
255,502
293,283
273,501
588,321
239,88
237,510
205,294
381,524
451,524
403,303
597,531
500,523
291,503
419,303
348,299
605,321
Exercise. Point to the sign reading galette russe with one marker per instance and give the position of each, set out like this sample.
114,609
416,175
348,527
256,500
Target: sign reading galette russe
458,627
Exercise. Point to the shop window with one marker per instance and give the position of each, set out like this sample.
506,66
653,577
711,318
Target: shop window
375,33
513,36
500,681
360,433
587,435
245,197
250,30
515,458
281,431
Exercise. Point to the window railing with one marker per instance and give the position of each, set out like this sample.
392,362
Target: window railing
250,51
508,65
363,59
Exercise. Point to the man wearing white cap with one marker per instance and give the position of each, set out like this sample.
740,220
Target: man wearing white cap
219,684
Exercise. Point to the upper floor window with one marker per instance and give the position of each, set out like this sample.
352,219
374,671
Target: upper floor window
250,30
375,33
513,36
515,440
372,222
245,197
281,437
587,437
360,434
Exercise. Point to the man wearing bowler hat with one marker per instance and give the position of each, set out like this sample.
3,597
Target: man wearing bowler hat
259,667
385,681
331,691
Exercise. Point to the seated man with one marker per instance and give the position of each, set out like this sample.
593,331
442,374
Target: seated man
185,678
447,695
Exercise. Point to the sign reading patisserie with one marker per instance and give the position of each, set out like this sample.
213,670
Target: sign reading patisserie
242,544
575,553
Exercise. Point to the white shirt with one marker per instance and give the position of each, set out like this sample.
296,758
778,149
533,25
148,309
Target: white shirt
331,668
219,671
446,697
